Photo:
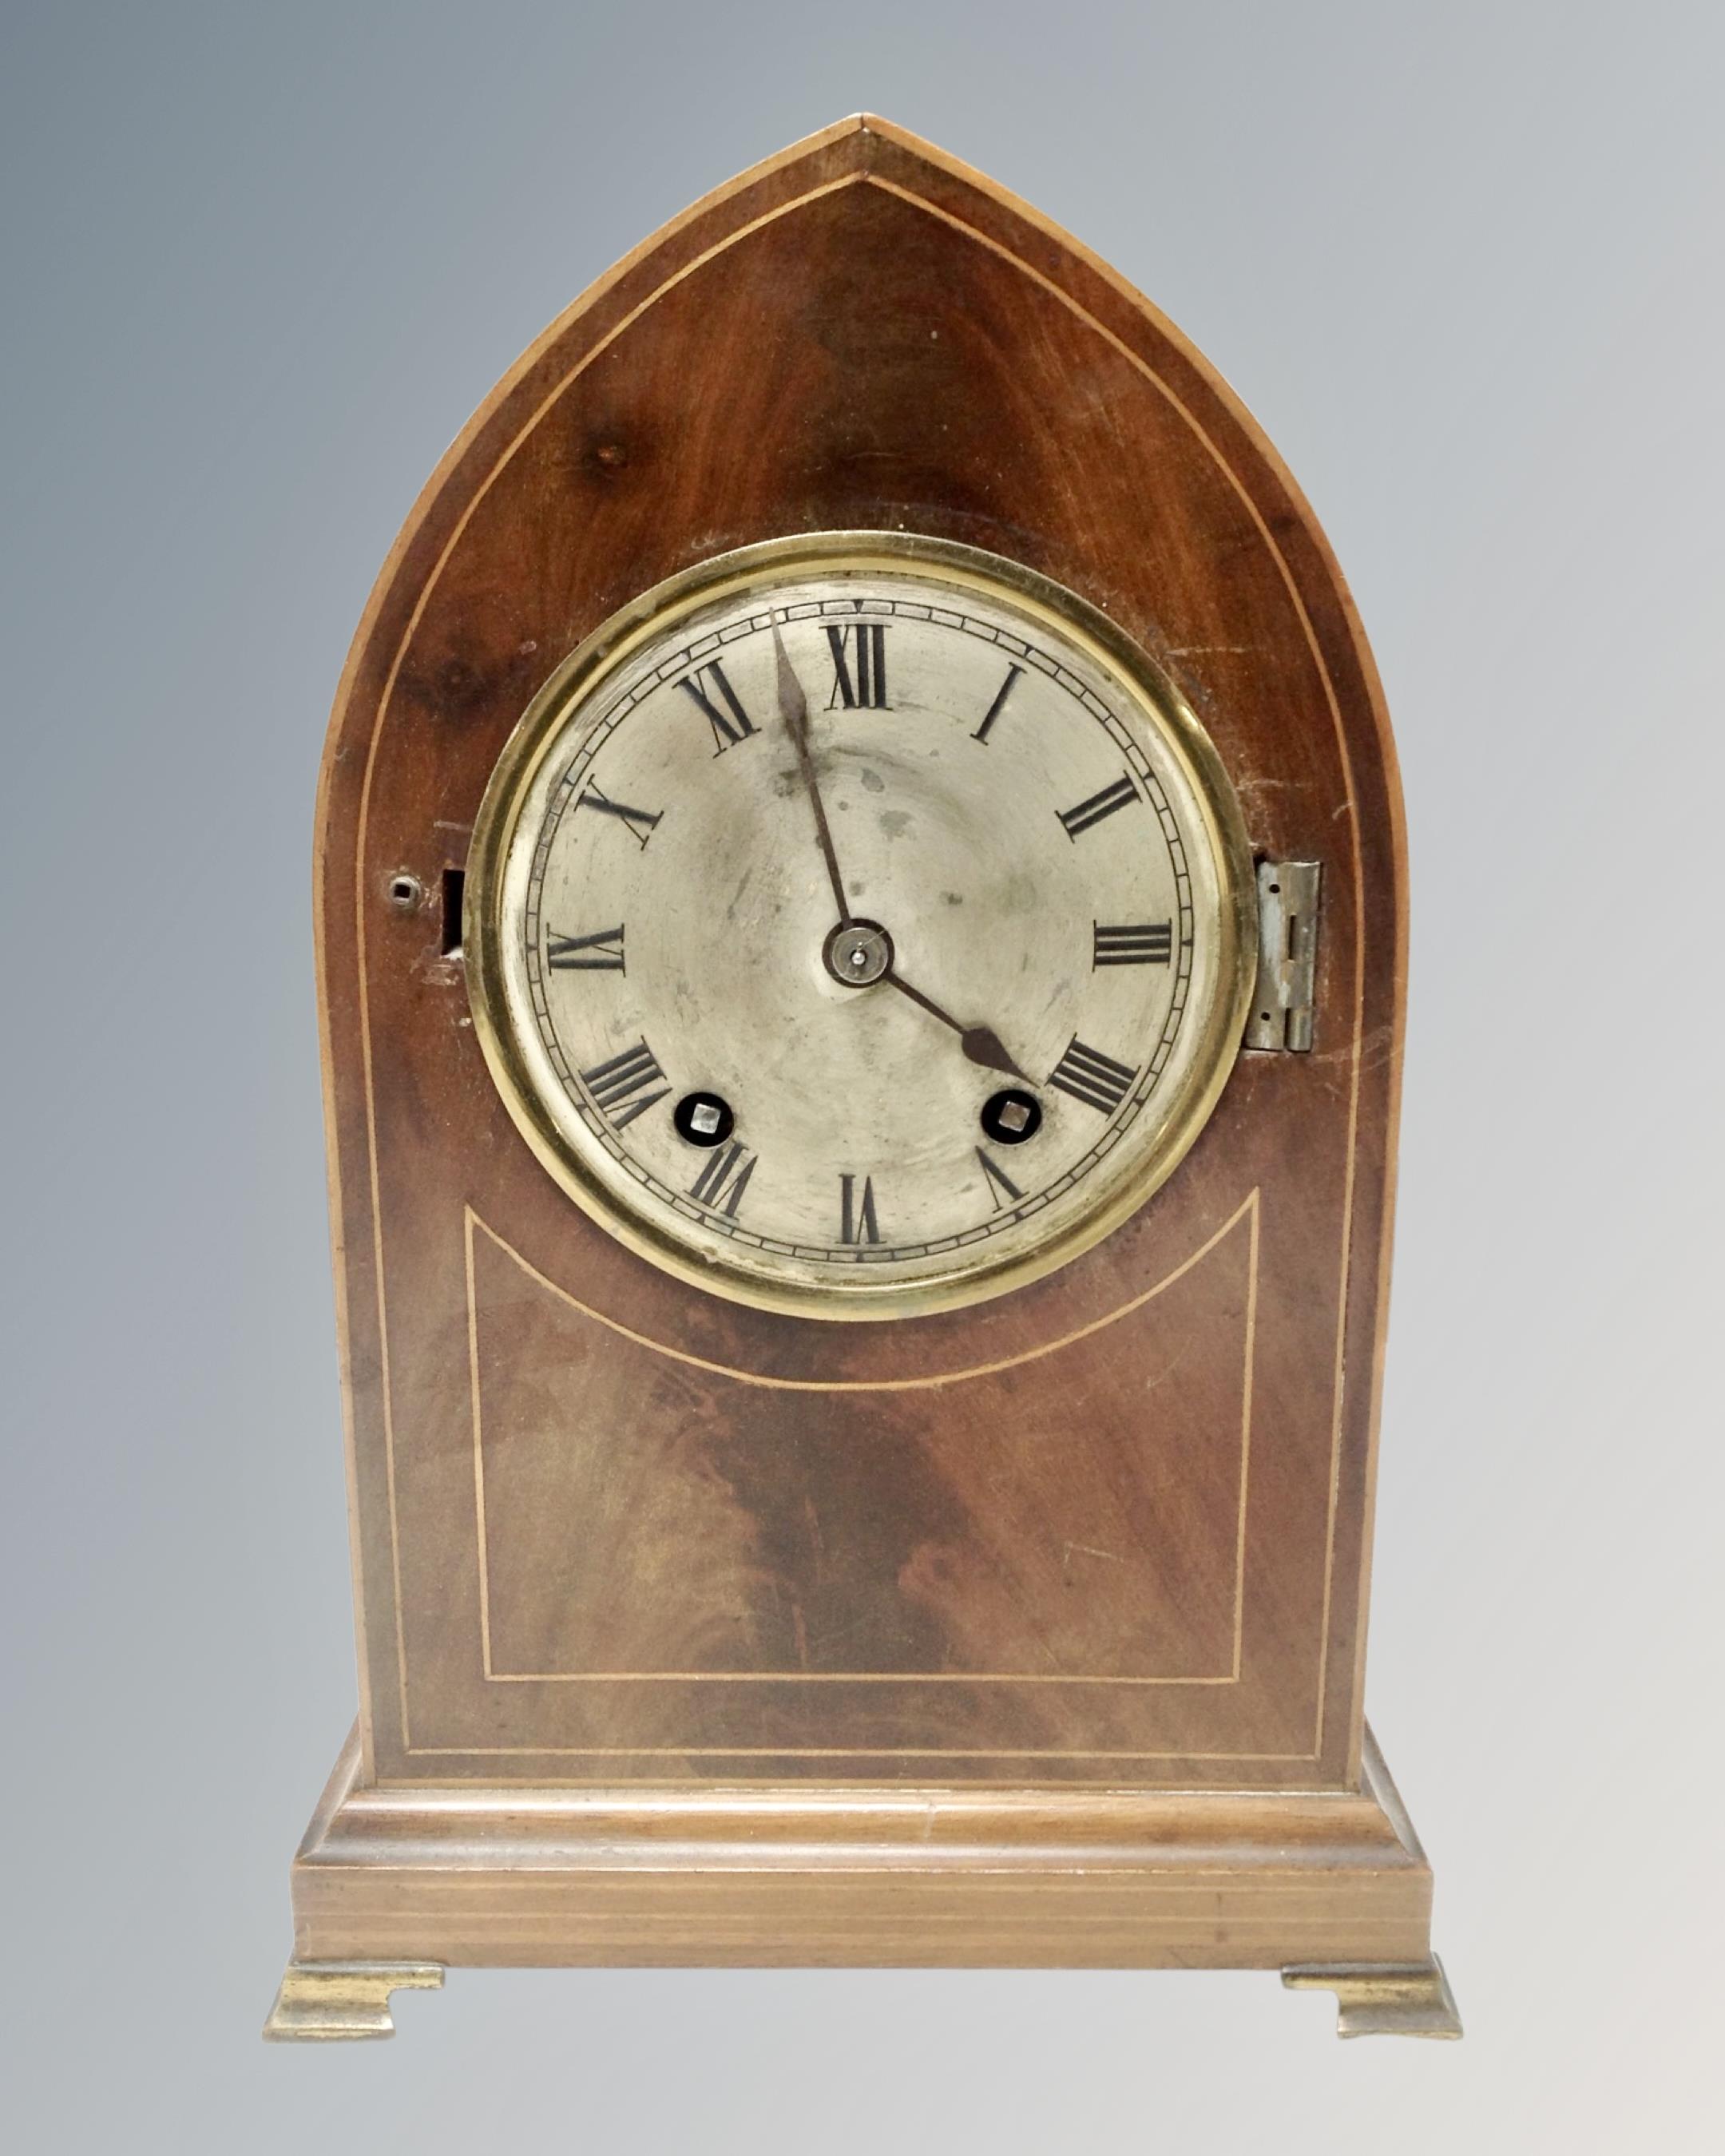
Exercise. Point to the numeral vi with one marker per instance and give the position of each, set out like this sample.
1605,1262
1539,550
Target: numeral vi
857,1222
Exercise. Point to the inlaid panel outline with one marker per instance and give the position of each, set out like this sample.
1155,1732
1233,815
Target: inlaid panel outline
1246,1211
534,353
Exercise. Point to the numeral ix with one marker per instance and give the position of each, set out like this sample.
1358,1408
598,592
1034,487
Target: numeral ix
601,952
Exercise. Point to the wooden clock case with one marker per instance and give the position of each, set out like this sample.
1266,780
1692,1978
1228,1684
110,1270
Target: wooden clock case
1026,1634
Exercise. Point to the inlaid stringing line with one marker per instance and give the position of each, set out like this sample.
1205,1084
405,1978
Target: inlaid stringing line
1247,1209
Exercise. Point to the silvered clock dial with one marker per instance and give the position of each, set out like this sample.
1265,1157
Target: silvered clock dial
859,924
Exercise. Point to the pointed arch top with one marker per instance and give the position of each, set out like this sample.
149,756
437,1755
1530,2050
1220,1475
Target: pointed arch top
865,150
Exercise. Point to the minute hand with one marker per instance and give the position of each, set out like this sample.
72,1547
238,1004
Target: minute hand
793,710
980,1043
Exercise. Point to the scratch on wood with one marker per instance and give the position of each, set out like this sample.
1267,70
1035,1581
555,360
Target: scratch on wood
1084,1549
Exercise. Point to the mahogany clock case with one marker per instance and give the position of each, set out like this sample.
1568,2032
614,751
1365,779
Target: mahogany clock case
640,1570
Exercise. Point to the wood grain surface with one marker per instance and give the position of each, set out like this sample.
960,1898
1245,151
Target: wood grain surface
1110,1529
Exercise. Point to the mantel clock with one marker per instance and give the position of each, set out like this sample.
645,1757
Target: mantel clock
861,923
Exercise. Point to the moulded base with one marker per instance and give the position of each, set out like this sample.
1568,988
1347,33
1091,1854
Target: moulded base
392,1883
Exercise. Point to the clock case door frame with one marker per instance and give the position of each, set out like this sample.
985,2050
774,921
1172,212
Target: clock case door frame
860,334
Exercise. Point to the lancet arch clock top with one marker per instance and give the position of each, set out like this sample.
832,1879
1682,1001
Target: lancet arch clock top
860,921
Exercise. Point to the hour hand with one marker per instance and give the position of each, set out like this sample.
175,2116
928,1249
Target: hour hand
980,1043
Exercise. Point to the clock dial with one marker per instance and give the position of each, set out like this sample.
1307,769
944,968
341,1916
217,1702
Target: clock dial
861,925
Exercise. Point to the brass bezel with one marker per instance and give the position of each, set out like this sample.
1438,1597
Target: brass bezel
731,575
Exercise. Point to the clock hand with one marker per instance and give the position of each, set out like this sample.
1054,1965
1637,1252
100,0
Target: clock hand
793,710
980,1043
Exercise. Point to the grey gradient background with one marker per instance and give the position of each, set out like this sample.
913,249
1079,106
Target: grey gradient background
259,264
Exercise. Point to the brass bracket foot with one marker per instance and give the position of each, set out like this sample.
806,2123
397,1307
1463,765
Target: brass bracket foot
1382,1999
320,1999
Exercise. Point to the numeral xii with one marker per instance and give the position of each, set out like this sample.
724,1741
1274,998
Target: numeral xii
859,665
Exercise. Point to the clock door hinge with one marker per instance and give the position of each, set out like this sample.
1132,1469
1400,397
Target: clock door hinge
1287,955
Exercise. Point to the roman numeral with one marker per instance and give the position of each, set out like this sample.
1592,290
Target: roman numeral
1099,805
857,1216
721,1183
616,1086
1150,943
639,821
1089,1077
998,705
998,1180
731,725
859,665
599,953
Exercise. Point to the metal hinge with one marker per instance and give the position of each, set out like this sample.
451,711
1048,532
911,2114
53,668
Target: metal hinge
1287,955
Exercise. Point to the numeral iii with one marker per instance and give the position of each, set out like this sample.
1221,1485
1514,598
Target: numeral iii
1150,943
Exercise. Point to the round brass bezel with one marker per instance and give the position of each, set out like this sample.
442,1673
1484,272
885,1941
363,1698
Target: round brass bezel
732,575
